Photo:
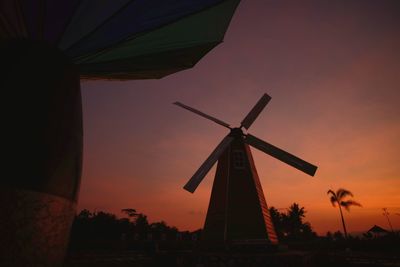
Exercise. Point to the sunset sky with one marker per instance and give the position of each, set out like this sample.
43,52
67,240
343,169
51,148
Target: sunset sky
332,69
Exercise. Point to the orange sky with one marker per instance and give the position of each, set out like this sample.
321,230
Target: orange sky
333,72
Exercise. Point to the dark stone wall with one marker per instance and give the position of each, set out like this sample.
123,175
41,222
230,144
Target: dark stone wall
34,228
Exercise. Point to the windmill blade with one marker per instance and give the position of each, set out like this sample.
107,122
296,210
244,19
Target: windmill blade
196,179
256,110
198,112
280,154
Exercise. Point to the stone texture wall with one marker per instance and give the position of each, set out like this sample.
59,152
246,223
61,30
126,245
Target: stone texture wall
34,228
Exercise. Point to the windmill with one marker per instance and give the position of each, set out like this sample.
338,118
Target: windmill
237,210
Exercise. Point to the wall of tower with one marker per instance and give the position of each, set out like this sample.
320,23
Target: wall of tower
237,209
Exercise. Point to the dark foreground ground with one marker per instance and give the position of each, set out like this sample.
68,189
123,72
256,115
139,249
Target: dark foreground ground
230,259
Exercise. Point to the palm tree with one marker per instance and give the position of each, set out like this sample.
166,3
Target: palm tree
294,220
338,197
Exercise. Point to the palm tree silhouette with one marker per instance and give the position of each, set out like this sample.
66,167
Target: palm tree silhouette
338,198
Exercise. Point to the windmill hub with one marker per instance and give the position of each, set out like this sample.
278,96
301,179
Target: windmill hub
238,211
236,133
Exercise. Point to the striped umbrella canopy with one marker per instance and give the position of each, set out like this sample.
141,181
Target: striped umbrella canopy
121,39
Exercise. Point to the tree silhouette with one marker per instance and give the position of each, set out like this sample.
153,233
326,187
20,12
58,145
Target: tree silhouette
277,220
289,225
142,224
93,230
296,213
294,220
130,212
85,214
338,198
295,227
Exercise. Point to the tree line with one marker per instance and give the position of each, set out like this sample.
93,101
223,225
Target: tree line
101,228
290,224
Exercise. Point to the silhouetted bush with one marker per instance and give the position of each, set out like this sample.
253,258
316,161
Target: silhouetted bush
102,230
290,226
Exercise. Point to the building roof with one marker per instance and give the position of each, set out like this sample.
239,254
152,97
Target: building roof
377,229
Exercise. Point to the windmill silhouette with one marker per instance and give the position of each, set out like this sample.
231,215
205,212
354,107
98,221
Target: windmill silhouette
237,210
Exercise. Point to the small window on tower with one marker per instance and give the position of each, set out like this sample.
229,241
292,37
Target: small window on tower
238,159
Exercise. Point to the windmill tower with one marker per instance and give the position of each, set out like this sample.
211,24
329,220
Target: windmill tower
237,210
